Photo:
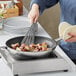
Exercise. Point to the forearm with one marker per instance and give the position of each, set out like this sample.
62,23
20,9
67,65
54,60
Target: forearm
39,4
43,4
35,6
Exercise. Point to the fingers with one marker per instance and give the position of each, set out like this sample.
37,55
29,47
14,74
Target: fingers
72,39
72,34
30,18
33,18
33,14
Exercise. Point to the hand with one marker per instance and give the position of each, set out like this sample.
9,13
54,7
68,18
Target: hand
34,13
73,37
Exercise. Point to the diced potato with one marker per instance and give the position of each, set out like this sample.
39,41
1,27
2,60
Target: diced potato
27,47
32,47
17,48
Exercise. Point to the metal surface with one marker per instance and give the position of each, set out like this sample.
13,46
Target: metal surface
18,25
38,39
29,36
52,63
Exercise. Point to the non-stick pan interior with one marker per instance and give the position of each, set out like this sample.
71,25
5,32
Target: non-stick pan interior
38,39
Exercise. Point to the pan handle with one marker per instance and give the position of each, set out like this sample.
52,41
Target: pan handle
58,40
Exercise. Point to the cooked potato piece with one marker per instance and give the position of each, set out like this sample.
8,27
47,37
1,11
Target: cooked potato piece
32,47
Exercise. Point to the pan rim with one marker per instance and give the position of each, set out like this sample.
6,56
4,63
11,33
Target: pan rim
39,53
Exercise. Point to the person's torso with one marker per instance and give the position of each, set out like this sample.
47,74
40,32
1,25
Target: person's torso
68,11
68,14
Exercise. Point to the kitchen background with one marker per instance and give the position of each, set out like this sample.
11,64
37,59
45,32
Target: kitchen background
49,19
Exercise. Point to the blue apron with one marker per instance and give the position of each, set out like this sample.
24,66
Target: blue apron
68,14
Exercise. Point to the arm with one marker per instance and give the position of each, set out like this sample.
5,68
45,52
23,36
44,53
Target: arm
37,7
43,4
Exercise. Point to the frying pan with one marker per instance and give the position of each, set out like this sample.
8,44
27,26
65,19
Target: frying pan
38,39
